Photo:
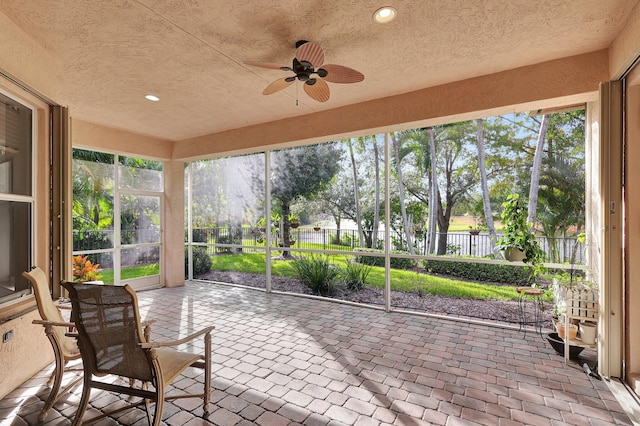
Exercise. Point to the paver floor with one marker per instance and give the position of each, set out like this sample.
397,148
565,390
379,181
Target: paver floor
283,360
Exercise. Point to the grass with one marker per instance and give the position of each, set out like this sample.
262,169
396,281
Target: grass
131,272
464,223
400,280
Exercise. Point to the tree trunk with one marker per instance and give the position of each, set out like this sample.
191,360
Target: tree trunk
403,209
433,194
535,172
444,217
486,203
356,193
376,207
286,229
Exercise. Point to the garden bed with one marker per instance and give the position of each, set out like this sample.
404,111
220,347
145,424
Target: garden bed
492,310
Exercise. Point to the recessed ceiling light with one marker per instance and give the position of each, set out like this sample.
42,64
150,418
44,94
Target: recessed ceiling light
152,98
385,14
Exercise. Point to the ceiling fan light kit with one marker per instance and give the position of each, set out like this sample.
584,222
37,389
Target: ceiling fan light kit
308,67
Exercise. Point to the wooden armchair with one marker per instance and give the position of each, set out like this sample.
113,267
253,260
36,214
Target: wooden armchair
65,348
112,342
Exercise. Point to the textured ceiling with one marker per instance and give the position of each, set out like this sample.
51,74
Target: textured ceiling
190,53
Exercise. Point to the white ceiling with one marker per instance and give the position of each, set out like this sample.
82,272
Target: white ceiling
109,54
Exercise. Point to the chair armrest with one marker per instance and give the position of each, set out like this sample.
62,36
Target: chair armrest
177,342
53,323
71,334
146,331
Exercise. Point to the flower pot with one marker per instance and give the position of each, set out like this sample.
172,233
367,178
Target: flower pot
588,332
513,254
316,228
573,330
558,344
475,232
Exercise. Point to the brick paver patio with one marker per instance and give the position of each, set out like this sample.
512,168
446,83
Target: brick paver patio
282,360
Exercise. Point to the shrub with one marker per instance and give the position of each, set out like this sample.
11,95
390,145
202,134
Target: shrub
479,271
201,261
317,273
396,262
355,275
201,235
84,269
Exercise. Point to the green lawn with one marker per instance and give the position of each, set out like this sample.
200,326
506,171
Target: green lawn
401,280
131,272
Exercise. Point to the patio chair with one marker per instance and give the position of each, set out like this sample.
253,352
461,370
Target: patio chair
65,348
112,342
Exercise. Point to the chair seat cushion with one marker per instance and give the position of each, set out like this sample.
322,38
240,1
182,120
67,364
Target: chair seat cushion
174,362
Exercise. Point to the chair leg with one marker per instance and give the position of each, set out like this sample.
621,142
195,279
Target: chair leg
157,415
52,377
207,372
57,381
84,400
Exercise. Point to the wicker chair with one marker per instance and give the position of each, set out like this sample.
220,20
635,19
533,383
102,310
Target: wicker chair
65,348
112,342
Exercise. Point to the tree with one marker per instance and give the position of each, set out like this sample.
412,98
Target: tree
457,174
486,202
356,191
433,193
376,206
93,174
535,170
396,141
300,172
562,181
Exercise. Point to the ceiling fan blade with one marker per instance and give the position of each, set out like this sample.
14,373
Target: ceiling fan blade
341,74
311,53
277,85
269,65
318,91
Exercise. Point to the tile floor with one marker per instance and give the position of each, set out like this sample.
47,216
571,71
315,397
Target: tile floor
286,360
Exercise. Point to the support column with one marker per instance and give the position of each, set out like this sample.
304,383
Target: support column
173,224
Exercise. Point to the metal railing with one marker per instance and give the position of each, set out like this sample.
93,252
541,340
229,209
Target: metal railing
219,239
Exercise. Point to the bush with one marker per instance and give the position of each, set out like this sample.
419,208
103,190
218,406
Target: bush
355,275
201,261
396,262
84,269
201,235
479,271
317,273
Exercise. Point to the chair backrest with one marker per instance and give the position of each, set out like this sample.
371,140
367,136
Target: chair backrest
40,282
109,330
48,310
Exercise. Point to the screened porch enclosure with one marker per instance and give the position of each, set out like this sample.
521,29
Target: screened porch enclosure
249,218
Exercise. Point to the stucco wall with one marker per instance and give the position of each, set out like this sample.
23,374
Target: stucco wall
174,214
554,83
25,354
106,139
29,351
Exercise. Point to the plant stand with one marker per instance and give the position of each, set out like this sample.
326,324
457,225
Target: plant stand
530,295
580,305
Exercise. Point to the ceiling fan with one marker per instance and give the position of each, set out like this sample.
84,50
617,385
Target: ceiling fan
308,67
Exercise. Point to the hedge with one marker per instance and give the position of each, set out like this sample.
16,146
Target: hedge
487,272
396,262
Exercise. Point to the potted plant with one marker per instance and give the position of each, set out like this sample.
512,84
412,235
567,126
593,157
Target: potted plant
317,226
294,220
518,242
